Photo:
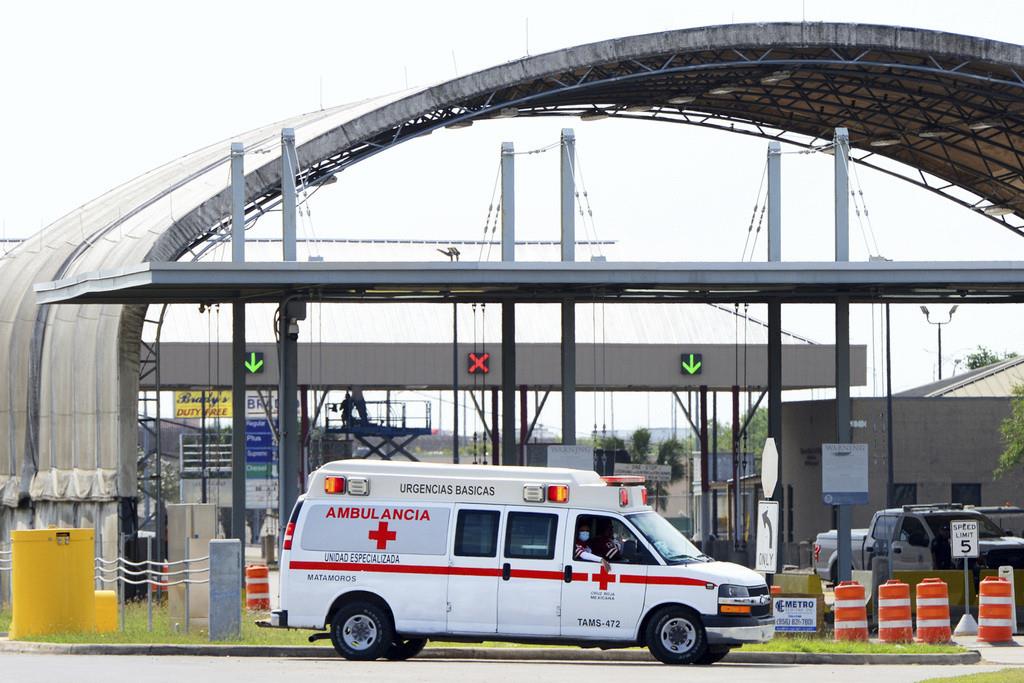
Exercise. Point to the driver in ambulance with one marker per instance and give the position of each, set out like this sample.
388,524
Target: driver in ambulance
582,550
606,545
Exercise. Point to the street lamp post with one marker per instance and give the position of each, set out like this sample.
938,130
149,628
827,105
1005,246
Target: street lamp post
949,317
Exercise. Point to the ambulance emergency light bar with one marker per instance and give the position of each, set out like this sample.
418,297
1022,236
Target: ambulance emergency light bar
357,486
532,493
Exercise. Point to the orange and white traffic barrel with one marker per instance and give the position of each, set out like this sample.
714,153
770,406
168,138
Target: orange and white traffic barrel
995,610
933,611
257,587
894,619
851,616
163,580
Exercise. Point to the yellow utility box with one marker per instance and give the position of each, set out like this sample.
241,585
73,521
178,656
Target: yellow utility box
52,582
106,611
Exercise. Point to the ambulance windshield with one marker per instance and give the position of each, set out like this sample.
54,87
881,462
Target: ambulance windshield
666,539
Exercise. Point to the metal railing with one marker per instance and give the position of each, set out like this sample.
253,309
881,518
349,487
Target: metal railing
6,567
211,460
122,572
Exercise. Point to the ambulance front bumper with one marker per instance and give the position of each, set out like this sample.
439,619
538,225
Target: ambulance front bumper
736,631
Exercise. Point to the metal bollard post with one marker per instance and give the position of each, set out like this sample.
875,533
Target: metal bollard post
186,567
149,584
121,574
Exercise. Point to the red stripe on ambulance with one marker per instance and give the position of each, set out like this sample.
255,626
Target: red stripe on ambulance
485,571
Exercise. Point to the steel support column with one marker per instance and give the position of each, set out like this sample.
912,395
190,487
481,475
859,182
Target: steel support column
568,203
523,424
705,484
508,384
288,195
508,310
237,349
289,313
775,333
843,434
495,436
735,466
238,422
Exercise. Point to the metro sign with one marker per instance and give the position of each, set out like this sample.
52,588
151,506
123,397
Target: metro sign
478,363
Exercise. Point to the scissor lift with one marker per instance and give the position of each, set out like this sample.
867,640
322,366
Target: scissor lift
395,424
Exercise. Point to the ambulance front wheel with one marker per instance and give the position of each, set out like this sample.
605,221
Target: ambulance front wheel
675,635
404,648
361,631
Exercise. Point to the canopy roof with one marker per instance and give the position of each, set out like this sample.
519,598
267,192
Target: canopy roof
941,110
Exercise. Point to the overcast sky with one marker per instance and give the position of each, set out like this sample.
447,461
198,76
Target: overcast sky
96,93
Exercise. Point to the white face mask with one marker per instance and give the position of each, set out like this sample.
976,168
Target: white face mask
584,536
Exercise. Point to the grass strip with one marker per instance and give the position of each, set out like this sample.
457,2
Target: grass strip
822,646
1003,676
166,632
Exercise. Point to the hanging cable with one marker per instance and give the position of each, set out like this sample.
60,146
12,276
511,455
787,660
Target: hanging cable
593,331
753,213
493,209
577,172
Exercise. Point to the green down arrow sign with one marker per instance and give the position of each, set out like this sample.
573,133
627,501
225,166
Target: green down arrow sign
254,363
691,363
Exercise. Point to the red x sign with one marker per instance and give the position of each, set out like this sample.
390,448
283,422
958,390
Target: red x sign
478,363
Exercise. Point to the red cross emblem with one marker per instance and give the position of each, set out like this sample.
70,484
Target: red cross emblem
478,363
603,578
382,536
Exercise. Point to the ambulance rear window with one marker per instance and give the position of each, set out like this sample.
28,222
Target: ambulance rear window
531,536
476,533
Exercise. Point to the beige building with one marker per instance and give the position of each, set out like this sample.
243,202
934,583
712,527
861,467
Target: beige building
946,446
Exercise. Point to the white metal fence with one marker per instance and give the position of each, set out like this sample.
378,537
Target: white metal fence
155,575
5,578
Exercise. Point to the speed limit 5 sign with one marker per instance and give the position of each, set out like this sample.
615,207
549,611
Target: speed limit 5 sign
963,538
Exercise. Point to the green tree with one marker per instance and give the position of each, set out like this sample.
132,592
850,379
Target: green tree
757,431
610,443
640,446
1012,430
673,452
983,356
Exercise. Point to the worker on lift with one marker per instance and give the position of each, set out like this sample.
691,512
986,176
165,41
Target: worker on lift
359,403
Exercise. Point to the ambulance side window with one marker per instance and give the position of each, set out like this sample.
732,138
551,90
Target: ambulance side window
531,536
476,533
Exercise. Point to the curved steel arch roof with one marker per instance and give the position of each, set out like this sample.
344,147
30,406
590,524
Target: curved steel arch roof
947,109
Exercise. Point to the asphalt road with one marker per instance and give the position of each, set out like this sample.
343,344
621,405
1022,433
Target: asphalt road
104,669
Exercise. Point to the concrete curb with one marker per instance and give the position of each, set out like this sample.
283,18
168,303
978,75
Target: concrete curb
482,653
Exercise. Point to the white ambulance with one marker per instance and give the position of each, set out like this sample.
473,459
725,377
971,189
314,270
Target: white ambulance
386,555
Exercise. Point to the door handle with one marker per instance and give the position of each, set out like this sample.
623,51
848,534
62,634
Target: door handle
897,549
506,571
568,573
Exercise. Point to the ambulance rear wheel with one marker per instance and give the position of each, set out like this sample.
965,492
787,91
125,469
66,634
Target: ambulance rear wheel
676,636
361,631
404,648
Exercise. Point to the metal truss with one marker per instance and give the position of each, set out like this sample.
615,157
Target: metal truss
954,128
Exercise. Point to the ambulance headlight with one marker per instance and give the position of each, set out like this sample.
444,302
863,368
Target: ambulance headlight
727,590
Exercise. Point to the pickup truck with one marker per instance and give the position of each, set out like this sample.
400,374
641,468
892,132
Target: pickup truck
910,531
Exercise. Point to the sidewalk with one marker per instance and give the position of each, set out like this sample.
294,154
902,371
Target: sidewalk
481,653
1010,653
